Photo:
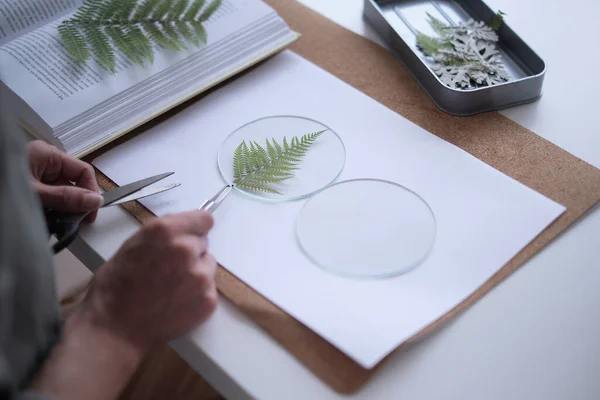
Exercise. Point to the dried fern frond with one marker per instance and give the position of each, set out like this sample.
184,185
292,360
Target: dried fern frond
497,20
429,45
256,168
100,27
438,26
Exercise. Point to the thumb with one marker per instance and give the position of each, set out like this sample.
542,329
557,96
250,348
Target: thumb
68,198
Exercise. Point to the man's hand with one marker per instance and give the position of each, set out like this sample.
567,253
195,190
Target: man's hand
158,286
160,283
53,171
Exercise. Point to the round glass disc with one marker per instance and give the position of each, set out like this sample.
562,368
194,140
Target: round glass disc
366,228
318,161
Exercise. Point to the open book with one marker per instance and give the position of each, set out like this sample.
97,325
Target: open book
82,107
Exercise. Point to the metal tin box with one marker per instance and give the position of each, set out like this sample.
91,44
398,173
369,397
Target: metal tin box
396,21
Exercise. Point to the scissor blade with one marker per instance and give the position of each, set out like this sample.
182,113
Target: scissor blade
116,194
145,192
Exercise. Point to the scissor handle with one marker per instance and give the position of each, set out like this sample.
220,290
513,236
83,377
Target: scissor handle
64,226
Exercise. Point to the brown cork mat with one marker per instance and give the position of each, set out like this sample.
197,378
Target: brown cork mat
492,138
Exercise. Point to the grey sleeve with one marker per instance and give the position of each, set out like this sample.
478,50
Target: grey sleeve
29,318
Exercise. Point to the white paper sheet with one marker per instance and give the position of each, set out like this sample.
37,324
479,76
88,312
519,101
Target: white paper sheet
483,217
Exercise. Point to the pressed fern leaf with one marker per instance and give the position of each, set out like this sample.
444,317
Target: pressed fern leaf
256,168
160,10
438,26
124,10
100,45
200,31
141,43
124,44
144,9
74,42
174,37
159,37
188,33
209,10
193,10
177,9
100,27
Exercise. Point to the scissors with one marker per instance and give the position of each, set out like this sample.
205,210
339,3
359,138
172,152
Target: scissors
65,226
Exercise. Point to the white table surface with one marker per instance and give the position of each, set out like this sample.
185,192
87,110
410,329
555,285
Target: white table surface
535,336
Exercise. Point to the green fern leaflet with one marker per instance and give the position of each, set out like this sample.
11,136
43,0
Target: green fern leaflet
256,168
100,27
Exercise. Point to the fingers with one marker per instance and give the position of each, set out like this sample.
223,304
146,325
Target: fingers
207,265
204,270
191,222
67,198
191,247
210,300
76,171
49,164
91,217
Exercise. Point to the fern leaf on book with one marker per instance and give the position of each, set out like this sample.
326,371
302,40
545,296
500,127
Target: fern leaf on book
81,106
99,27
256,168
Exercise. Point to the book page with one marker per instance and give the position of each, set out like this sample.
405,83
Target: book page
20,16
38,69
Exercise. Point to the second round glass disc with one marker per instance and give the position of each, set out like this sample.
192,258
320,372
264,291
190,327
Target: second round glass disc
251,150
366,228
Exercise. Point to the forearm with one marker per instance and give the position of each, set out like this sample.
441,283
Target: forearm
89,363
